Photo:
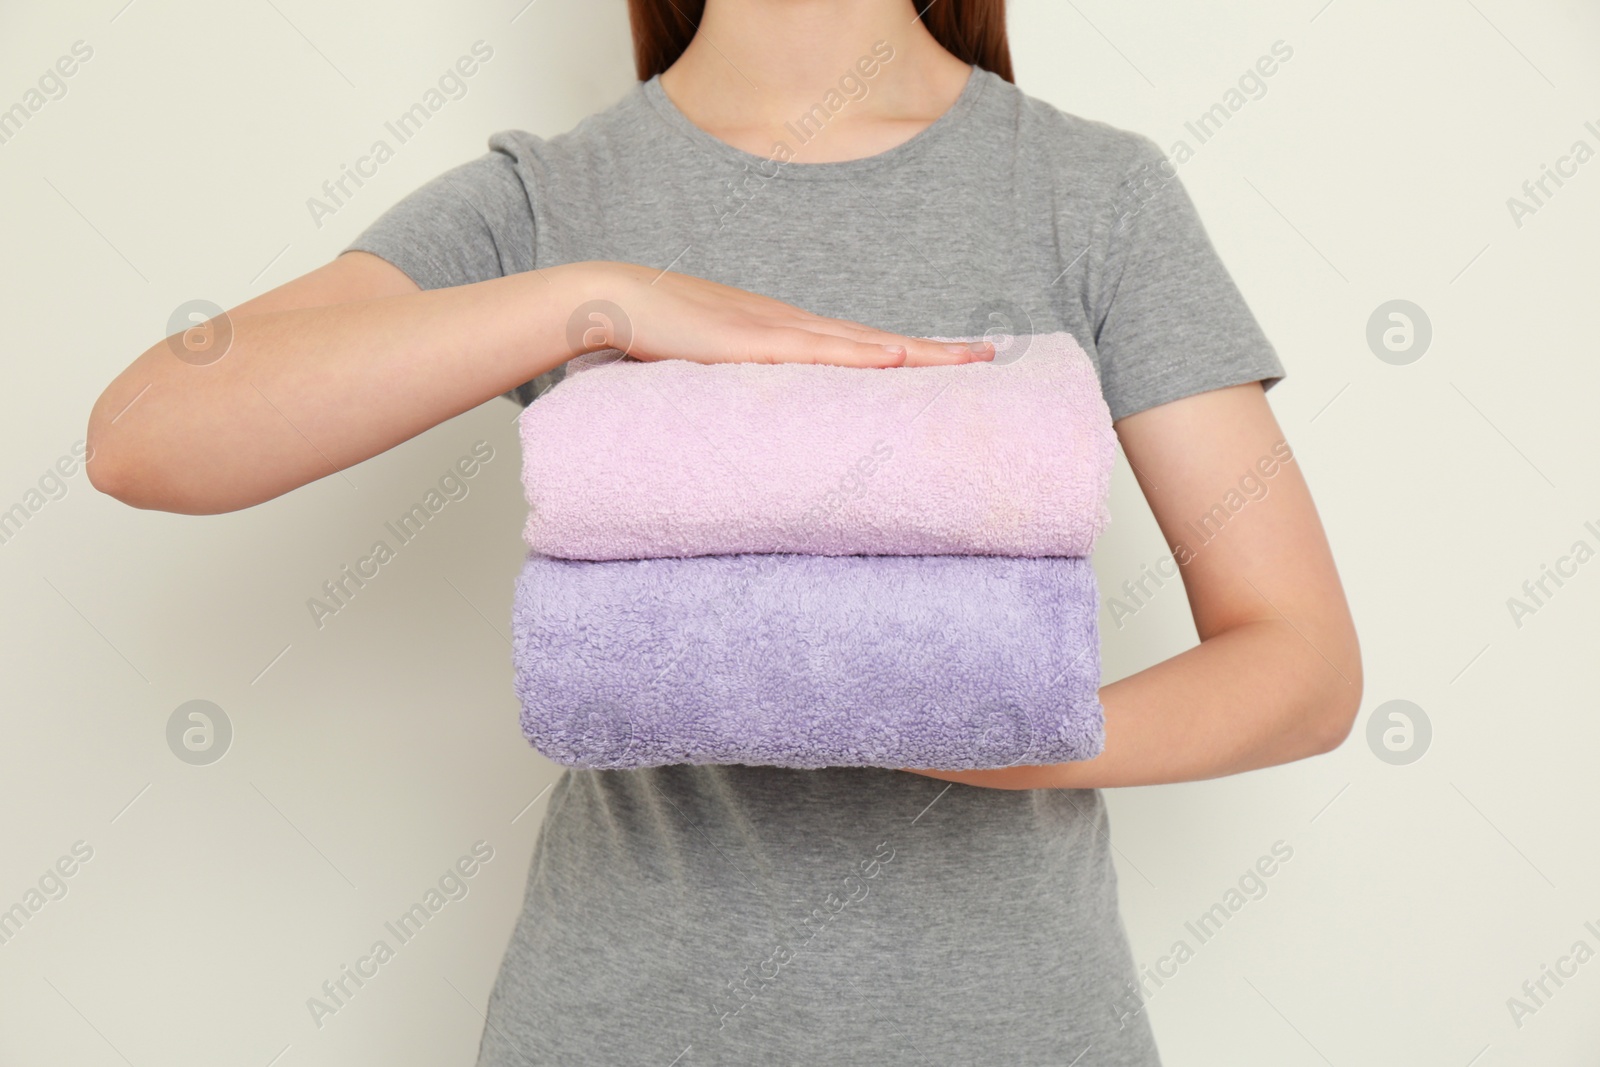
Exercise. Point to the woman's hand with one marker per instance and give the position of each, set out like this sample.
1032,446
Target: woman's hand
651,314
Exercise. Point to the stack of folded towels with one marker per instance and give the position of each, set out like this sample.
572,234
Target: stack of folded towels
810,566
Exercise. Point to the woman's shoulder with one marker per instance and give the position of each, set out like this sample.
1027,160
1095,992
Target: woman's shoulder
1081,145
617,127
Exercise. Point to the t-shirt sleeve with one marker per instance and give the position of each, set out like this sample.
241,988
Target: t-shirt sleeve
471,223
1170,321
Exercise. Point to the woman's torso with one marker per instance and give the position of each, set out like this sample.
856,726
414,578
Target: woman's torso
729,914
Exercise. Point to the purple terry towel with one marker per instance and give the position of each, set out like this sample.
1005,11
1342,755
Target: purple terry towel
789,660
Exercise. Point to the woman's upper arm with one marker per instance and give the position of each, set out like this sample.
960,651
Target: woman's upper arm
1174,337
1234,507
470,223
351,276
298,357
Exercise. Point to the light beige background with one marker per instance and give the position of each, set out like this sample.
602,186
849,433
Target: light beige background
371,753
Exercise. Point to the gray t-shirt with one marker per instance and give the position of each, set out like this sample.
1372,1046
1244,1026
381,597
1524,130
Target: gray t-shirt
735,915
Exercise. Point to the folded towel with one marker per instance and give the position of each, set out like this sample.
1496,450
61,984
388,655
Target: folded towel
631,459
809,661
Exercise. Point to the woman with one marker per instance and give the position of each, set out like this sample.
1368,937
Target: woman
824,181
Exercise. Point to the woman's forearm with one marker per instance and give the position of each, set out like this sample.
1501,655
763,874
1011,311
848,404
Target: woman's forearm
1277,674
306,391
1253,696
350,360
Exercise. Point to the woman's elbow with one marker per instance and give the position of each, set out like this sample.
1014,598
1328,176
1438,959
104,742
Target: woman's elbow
1338,698
128,470
111,464
144,442
106,461
117,475
148,486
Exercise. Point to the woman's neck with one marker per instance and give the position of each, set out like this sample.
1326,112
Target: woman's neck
757,68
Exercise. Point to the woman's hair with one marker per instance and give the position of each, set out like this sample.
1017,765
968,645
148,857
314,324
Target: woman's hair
974,31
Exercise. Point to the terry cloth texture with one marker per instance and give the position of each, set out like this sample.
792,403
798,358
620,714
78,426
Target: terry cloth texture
805,661
661,903
627,459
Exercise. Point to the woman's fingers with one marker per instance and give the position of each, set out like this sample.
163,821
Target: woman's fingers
983,349
920,351
800,345
792,344
934,353
683,317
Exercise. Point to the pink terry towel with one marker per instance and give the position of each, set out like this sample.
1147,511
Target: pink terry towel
631,459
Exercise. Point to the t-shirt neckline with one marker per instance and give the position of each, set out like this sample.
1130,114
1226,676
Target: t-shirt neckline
846,168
